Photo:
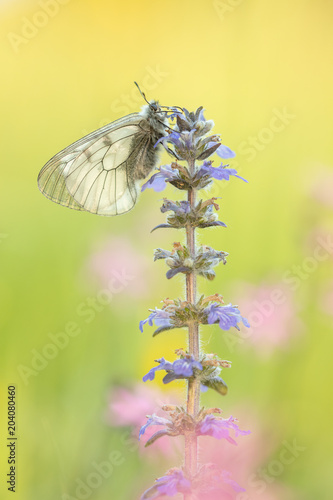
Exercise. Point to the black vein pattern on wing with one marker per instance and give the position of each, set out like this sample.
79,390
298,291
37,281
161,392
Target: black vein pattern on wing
58,170
144,139
77,144
71,203
100,196
85,160
56,166
142,151
82,153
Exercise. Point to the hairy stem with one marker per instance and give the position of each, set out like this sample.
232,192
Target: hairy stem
193,388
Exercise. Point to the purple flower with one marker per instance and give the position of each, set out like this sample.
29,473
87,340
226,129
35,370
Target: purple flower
159,316
163,365
226,475
174,137
209,483
158,180
184,366
173,483
227,316
225,152
183,207
181,368
153,420
220,173
189,139
220,428
180,140
199,117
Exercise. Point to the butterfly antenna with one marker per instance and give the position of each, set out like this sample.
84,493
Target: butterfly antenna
172,107
143,95
168,107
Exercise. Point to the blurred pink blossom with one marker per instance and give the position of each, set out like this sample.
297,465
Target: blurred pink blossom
249,463
322,186
318,246
327,301
270,309
119,256
129,407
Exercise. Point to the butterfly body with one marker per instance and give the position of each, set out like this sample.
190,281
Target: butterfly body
152,127
100,173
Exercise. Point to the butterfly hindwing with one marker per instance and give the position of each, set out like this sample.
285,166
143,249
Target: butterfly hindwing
99,179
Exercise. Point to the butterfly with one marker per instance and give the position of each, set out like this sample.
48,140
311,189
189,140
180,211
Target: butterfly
101,172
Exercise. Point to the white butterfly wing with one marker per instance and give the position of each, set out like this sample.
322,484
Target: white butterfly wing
91,174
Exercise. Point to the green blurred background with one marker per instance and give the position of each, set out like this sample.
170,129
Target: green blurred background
67,68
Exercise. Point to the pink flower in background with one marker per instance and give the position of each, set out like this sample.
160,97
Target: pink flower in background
270,309
256,465
129,407
322,186
120,258
327,301
249,463
209,481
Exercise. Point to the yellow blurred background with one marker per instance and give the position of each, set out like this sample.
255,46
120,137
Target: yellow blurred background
263,72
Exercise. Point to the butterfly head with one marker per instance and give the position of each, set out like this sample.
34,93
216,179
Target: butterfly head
153,106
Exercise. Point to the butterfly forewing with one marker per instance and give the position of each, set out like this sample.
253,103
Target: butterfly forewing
93,173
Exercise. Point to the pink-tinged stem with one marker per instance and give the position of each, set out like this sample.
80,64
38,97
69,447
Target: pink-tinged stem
193,388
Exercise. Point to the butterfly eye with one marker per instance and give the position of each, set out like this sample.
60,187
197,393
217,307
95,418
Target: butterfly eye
153,106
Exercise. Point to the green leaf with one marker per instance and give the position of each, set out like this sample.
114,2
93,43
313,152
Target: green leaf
164,329
158,435
216,383
151,493
161,226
